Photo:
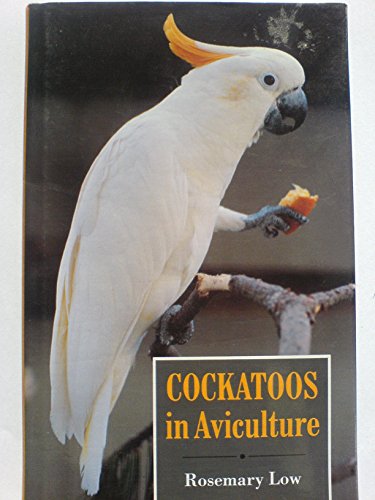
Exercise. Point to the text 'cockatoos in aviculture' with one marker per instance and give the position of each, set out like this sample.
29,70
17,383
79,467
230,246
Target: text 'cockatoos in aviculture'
145,217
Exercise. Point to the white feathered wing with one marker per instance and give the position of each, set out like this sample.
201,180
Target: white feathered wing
120,271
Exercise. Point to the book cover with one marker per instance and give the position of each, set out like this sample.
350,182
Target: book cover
119,220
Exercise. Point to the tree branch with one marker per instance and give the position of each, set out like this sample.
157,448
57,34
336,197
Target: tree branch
294,314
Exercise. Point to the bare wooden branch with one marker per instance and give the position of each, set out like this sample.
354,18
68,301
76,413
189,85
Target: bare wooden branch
257,290
333,297
294,314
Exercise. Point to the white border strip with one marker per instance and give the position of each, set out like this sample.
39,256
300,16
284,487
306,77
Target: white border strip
232,358
361,17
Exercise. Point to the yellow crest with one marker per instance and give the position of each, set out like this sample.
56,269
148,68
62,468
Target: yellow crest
194,52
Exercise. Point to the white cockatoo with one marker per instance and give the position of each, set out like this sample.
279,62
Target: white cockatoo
145,217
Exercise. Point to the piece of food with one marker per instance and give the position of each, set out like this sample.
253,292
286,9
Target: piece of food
300,200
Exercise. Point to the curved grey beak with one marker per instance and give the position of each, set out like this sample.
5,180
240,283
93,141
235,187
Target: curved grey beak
288,113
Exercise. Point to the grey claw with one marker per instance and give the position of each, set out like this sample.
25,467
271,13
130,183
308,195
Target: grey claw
272,224
271,219
289,212
167,336
270,232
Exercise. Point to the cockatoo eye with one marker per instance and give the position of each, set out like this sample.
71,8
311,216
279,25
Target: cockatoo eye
269,81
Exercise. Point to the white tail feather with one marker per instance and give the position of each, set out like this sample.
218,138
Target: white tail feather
95,439
61,419
61,416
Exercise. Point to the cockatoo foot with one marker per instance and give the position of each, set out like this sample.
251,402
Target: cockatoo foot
270,220
168,335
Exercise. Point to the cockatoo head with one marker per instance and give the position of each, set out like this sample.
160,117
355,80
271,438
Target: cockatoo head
240,73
